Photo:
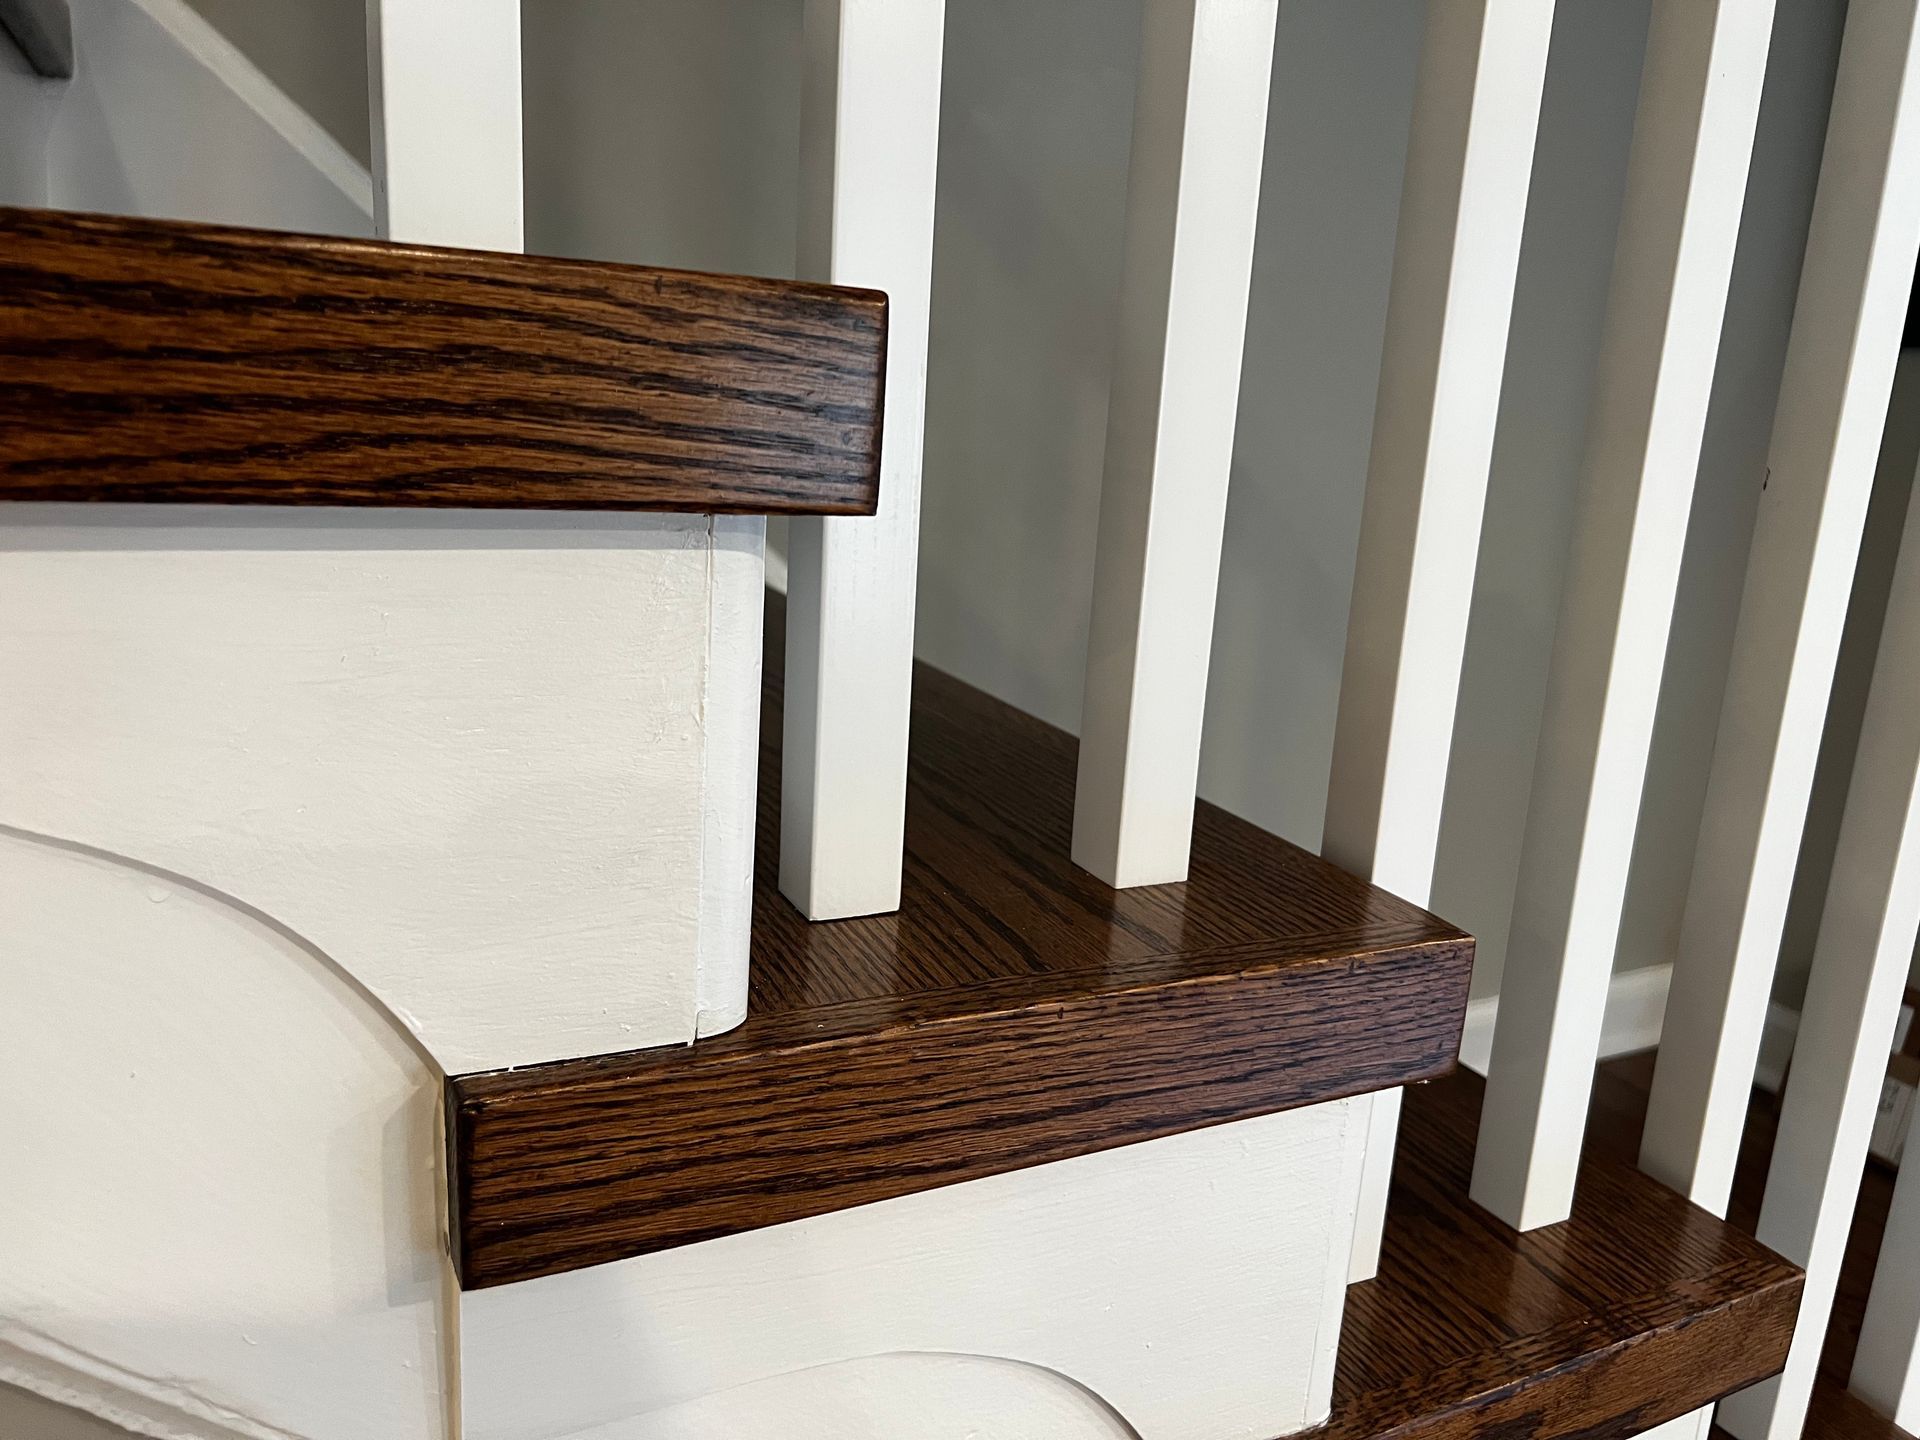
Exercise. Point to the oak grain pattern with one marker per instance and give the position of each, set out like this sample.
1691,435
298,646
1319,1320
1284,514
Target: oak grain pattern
1638,1308
162,362
1014,1011
1838,1414
1621,1089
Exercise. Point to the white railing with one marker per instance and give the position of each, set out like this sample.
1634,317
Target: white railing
1686,179
1200,122
1199,134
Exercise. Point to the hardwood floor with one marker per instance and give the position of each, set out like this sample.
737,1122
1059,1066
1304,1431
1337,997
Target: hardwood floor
1620,1103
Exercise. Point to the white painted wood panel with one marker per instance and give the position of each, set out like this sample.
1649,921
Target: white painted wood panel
1199,136
1886,1363
221,1210
870,135
473,758
1194,1285
1860,961
1821,463
1463,205
443,81
1686,180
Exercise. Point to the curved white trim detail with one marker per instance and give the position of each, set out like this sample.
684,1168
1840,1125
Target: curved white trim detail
225,1215
240,907
930,1395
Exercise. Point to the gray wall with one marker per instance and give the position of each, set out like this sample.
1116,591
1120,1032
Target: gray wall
315,50
1032,185
665,131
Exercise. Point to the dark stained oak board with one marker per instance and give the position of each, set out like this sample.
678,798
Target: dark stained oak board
1837,1414
1621,1088
1639,1308
155,361
1015,1011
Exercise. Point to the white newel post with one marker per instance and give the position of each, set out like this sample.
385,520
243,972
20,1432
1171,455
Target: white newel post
1193,194
1462,208
1821,462
1686,182
870,133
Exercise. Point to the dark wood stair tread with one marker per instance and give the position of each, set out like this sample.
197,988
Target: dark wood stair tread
160,361
1639,1308
1838,1414
1014,1011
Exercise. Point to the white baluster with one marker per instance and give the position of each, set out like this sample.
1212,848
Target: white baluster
1462,209
870,130
1686,179
444,86
1886,1366
1820,469
1193,192
1821,462
1860,960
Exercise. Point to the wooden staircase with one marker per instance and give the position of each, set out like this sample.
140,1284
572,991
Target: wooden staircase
1016,1011
1638,1309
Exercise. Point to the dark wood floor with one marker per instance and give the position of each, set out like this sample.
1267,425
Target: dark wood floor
1636,1309
1619,1109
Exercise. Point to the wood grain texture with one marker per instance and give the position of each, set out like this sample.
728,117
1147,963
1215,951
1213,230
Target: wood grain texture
1620,1105
1013,1012
1839,1414
154,361
1637,1309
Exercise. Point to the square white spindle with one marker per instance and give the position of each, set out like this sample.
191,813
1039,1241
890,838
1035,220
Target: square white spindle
1462,208
1193,194
869,143
443,83
1686,181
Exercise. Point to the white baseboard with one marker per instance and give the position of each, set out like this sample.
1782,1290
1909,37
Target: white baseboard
1636,1008
1636,1004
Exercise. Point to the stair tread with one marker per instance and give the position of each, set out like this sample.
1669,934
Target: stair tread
1638,1308
249,367
1838,1414
1014,1011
